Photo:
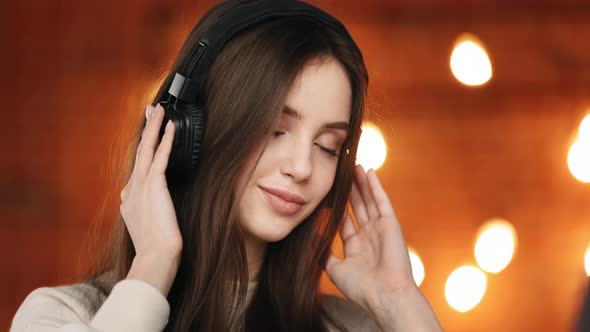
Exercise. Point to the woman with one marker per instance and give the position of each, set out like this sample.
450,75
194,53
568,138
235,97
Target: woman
241,242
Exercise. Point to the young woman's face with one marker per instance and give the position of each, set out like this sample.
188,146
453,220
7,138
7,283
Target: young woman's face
297,168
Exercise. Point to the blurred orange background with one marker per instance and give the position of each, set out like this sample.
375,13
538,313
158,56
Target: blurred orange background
77,76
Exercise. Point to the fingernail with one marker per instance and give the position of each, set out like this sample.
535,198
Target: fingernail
147,112
154,110
168,125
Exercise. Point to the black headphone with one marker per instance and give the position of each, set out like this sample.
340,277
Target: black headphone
185,101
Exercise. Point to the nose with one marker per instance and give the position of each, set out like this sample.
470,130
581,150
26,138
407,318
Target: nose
296,161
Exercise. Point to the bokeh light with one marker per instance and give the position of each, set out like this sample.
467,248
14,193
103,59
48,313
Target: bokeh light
417,267
372,150
470,63
584,131
465,288
495,245
578,160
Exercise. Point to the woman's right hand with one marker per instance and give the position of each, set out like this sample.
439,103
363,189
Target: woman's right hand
146,204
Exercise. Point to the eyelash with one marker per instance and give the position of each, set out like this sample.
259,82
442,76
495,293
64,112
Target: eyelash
323,148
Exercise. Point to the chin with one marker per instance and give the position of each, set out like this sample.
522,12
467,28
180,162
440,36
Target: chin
269,230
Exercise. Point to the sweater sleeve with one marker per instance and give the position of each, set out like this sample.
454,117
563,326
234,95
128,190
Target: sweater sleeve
133,305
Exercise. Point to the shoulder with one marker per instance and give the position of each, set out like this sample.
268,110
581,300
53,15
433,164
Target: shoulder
57,306
348,313
132,305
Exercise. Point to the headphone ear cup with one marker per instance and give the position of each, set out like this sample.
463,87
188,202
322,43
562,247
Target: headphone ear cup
189,120
197,118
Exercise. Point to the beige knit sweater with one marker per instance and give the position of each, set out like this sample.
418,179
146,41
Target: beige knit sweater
132,305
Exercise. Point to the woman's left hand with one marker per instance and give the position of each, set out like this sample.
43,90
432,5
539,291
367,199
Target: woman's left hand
376,259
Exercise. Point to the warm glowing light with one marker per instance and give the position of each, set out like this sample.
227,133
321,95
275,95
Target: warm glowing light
371,151
495,245
587,261
417,267
578,160
465,288
584,131
470,62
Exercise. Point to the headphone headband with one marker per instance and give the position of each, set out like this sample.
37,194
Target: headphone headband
190,84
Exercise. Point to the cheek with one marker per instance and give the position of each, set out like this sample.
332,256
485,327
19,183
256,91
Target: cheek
250,169
325,180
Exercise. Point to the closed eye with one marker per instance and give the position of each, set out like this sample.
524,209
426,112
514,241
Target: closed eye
323,148
329,151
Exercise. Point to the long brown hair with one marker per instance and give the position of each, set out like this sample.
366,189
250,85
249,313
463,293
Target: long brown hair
247,86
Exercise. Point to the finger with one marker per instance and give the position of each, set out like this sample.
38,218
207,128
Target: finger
347,230
383,202
358,206
163,153
122,211
149,138
363,185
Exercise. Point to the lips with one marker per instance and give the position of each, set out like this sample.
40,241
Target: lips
280,204
285,195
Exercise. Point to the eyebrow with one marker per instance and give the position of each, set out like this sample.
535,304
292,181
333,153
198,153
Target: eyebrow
288,110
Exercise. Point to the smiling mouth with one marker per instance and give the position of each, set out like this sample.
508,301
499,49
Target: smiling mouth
280,205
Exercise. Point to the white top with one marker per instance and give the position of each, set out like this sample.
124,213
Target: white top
133,305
